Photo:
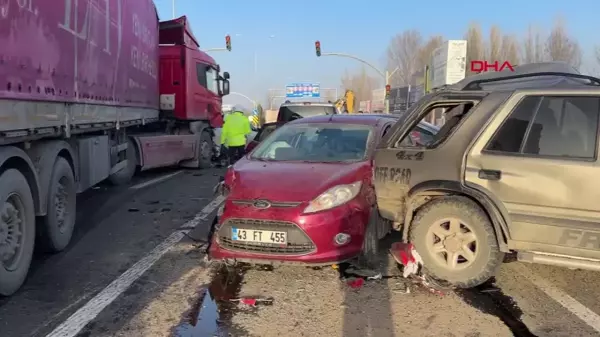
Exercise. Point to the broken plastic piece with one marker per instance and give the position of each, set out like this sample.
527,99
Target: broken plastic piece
406,255
253,301
355,283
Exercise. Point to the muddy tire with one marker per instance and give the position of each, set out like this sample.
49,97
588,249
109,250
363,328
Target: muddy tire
457,242
124,176
370,248
205,150
17,230
58,223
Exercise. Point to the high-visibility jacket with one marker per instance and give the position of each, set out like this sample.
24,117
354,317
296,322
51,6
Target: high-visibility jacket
235,129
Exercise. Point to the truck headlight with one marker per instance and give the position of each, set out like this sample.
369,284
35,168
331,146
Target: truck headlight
333,197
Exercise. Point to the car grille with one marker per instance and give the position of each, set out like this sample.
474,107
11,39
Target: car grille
298,242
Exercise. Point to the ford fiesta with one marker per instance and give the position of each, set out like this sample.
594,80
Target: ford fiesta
304,194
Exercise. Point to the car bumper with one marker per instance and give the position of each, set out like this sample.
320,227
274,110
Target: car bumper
310,236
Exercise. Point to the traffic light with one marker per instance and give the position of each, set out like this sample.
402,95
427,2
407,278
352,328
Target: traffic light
228,42
318,48
388,89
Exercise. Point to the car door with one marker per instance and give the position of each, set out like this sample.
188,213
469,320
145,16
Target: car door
402,164
541,166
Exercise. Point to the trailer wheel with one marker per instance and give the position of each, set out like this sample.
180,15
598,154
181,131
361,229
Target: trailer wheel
124,176
205,150
17,230
59,222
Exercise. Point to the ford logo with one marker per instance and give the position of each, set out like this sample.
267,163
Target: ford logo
261,204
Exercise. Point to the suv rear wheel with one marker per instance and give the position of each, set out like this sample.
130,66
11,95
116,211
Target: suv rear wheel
457,242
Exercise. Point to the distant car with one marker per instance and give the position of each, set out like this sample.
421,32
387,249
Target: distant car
305,195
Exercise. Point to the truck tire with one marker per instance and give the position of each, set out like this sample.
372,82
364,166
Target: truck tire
124,176
205,150
457,242
58,223
17,230
370,248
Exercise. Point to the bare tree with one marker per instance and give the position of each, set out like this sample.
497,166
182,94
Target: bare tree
426,52
494,47
510,49
560,46
361,83
404,52
533,49
475,45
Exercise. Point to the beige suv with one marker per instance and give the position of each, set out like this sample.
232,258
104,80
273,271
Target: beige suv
513,169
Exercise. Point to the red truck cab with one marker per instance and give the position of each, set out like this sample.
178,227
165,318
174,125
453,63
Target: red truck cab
189,80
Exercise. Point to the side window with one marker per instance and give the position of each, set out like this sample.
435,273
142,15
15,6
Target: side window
201,74
452,114
565,127
511,134
561,127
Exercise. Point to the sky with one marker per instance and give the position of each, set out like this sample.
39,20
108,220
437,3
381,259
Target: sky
273,41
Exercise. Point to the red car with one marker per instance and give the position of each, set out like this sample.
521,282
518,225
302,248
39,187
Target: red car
305,194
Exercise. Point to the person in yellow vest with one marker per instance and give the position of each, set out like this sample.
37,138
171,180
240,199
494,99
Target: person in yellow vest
233,135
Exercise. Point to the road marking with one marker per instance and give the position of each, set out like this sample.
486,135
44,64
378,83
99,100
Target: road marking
78,320
155,180
575,307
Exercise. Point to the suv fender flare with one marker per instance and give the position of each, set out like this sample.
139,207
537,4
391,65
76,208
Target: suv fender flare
497,215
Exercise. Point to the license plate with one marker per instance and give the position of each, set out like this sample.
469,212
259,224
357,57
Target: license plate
254,235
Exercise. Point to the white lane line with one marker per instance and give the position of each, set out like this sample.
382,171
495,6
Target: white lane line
575,307
78,320
155,180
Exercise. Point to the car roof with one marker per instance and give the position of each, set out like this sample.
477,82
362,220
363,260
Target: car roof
527,76
362,119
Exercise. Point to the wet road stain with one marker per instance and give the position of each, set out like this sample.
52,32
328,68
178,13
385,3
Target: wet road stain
490,299
215,306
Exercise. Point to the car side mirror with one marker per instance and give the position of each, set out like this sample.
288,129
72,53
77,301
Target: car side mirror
225,87
226,75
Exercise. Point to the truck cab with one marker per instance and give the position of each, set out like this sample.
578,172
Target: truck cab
191,87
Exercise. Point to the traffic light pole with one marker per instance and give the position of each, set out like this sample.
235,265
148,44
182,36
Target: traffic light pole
386,75
215,49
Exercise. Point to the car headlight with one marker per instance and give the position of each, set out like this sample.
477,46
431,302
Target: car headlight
333,197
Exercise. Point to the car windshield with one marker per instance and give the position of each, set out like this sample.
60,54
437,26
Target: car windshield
315,143
291,112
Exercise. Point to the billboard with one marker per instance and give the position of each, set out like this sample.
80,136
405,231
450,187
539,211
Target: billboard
303,90
448,64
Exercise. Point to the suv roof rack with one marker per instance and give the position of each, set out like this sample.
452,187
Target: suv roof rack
476,83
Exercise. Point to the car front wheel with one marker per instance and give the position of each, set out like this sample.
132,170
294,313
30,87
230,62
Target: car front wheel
457,242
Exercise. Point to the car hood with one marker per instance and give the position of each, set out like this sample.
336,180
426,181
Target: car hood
287,181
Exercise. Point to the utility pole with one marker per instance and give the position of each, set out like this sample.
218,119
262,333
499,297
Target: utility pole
173,8
385,74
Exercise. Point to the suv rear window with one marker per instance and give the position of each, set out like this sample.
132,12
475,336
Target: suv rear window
291,112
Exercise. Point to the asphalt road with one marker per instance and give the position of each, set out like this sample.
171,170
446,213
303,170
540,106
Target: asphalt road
135,268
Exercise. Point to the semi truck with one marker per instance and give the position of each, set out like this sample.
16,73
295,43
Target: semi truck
91,91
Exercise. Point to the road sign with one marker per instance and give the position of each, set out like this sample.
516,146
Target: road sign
303,90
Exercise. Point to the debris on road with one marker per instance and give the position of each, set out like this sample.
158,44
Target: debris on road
253,301
406,255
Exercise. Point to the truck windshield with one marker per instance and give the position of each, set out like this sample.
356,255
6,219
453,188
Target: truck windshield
291,112
319,143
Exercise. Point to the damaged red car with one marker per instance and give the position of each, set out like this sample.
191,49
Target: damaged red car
305,195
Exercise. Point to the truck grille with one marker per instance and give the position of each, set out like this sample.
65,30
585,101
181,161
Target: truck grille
298,242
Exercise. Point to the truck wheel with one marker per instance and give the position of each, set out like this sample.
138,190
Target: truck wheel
58,224
457,242
370,248
17,230
205,151
124,176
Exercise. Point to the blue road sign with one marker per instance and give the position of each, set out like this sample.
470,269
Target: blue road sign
303,90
